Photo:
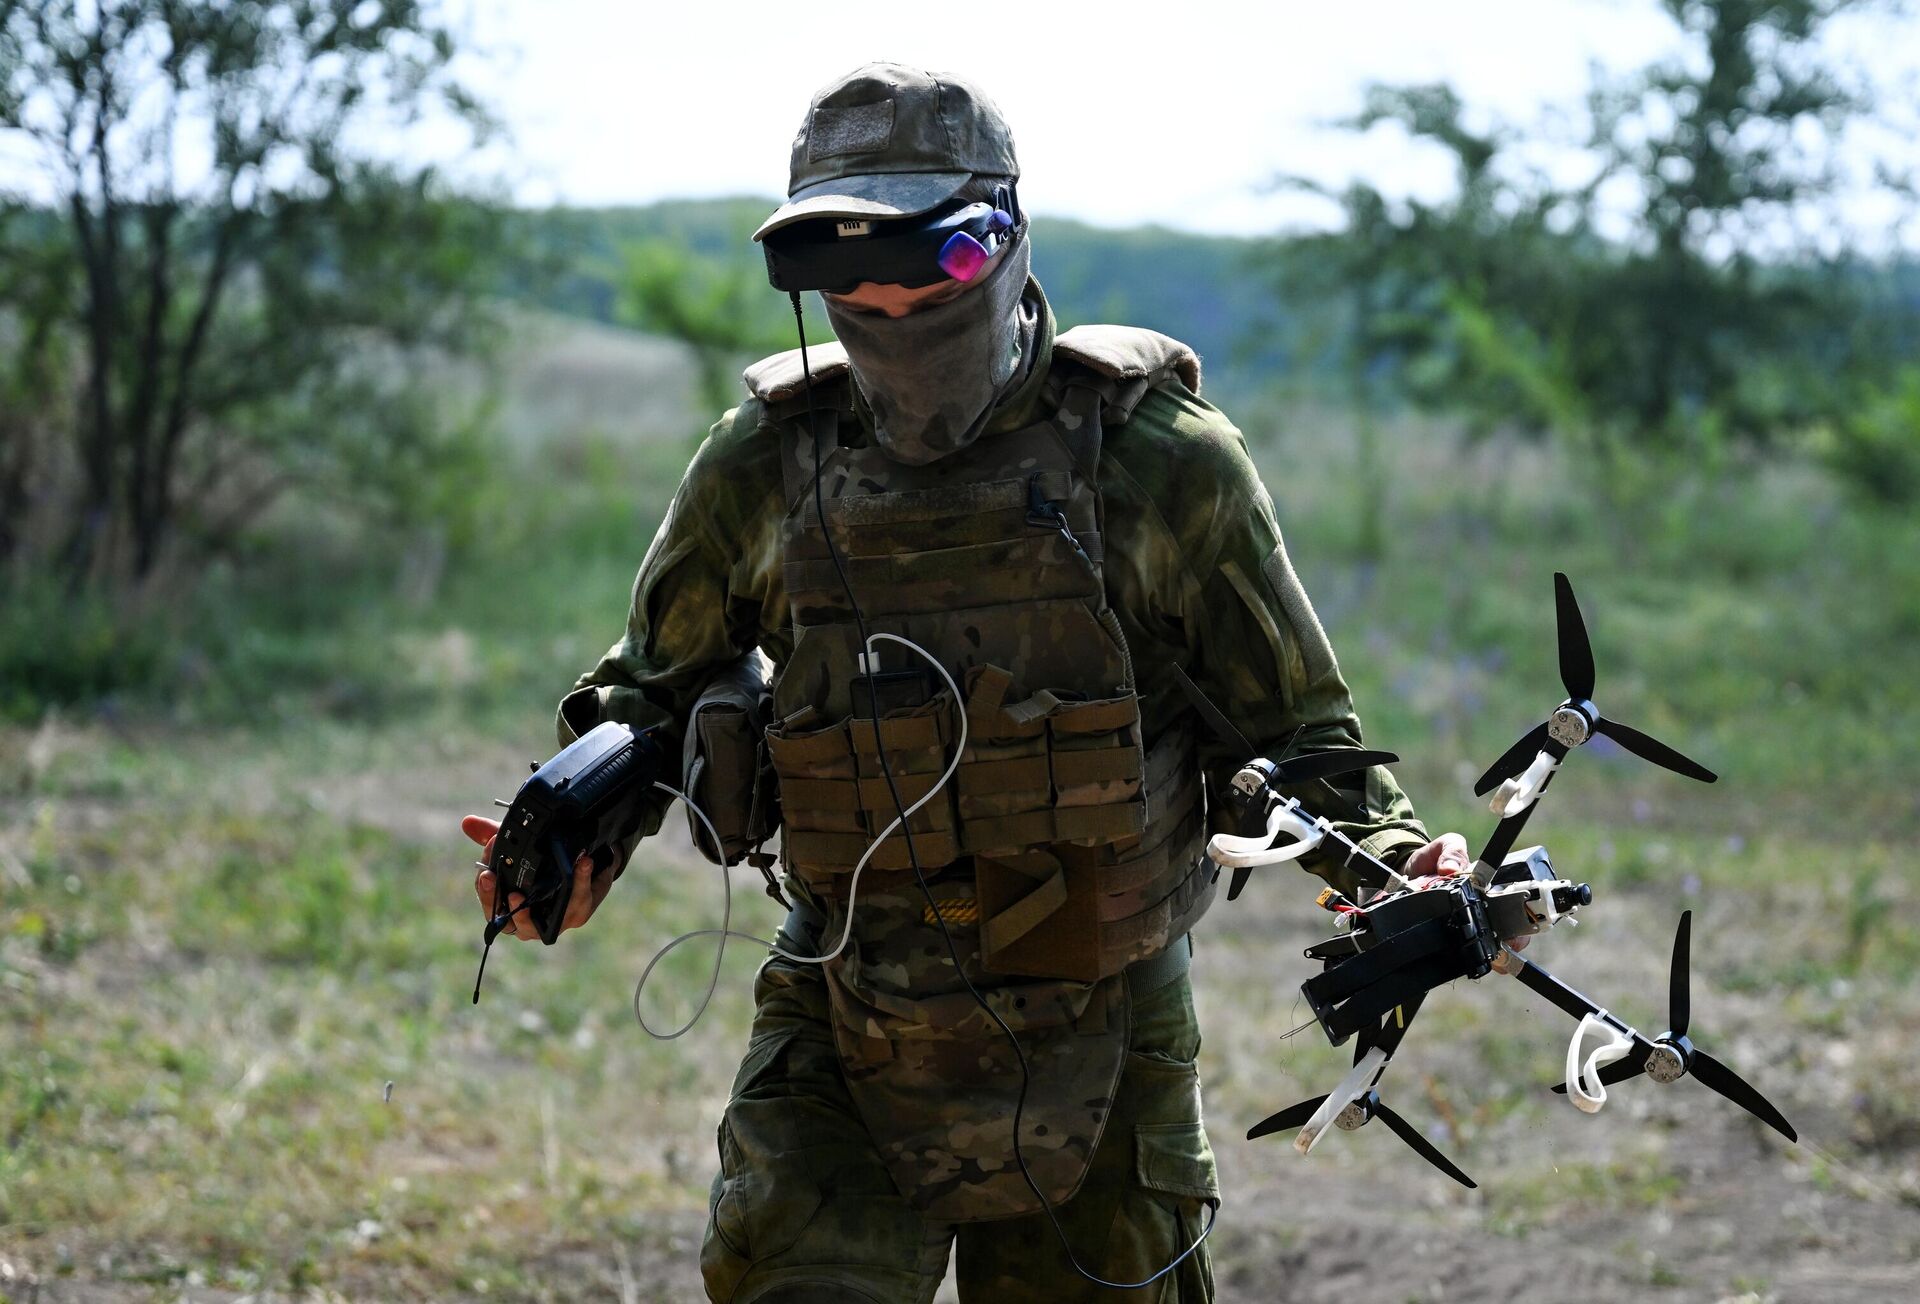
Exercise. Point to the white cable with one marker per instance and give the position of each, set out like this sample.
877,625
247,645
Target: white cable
1236,852
853,886
726,918
1584,1087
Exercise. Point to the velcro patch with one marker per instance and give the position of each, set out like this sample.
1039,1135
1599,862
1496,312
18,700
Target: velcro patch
1316,653
852,129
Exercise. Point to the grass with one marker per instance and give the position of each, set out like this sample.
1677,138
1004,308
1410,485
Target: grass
232,907
213,1002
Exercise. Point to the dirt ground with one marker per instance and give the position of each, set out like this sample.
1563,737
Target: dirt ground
1670,1193
1751,1222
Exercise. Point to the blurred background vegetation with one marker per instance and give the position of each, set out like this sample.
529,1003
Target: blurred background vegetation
321,476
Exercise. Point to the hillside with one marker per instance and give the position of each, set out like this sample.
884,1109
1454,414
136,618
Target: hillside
1205,290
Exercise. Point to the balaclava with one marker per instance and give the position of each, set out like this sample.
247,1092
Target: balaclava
932,377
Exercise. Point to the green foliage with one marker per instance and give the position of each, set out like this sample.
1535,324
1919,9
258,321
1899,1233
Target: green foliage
208,337
320,613
1196,288
721,308
58,648
1681,317
1875,443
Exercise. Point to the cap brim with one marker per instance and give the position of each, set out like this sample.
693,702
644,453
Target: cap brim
882,195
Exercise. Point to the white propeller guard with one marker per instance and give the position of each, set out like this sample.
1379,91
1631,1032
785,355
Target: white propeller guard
1237,852
1521,791
1358,1081
1584,1087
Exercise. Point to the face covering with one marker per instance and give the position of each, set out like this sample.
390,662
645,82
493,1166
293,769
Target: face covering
933,376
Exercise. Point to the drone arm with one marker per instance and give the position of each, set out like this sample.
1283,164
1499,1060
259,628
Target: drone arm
1494,853
1572,1002
1532,783
1286,815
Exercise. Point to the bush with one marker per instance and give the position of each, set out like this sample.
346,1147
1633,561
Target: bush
58,649
1875,446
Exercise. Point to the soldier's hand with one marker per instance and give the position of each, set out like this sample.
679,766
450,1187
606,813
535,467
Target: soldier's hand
1440,860
589,888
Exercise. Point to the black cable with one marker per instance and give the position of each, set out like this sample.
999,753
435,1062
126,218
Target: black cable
919,877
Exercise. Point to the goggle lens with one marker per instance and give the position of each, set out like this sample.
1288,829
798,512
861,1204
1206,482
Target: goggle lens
962,256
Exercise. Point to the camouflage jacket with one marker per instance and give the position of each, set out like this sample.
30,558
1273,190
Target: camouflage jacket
1195,571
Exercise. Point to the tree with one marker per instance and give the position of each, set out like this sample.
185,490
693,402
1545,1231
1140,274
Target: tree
1668,300
720,308
232,268
36,283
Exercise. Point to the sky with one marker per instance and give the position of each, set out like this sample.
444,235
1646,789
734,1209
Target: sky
1123,113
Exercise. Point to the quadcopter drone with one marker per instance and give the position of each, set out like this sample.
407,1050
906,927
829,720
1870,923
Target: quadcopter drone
1403,941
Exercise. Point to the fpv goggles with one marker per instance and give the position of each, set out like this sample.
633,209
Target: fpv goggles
838,254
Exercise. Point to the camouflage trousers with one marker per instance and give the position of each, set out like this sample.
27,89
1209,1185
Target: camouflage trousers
804,1212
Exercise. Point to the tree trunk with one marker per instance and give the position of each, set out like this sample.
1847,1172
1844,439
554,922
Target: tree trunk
158,498
17,446
146,496
93,517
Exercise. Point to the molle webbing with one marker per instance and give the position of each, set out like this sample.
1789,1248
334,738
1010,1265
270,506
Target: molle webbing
1115,903
1086,845
840,798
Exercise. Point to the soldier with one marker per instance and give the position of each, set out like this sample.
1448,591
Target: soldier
1081,543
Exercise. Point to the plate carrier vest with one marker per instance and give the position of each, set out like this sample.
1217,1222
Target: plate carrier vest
1086,845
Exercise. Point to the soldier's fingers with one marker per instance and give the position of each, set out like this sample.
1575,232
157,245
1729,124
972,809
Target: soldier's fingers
483,888
479,828
602,883
580,905
1423,861
1453,852
521,926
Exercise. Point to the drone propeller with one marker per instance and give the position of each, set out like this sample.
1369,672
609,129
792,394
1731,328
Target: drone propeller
1421,1146
1718,1077
1679,1009
1293,1116
1325,765
1359,1112
1652,749
1576,652
1577,719
1515,759
1671,1056
1679,977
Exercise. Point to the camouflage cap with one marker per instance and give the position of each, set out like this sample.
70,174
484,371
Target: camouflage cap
888,141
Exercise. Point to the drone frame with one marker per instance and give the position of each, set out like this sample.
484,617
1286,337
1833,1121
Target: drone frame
1521,775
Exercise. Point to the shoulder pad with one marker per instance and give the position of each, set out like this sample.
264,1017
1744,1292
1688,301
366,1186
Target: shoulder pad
780,377
1130,353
